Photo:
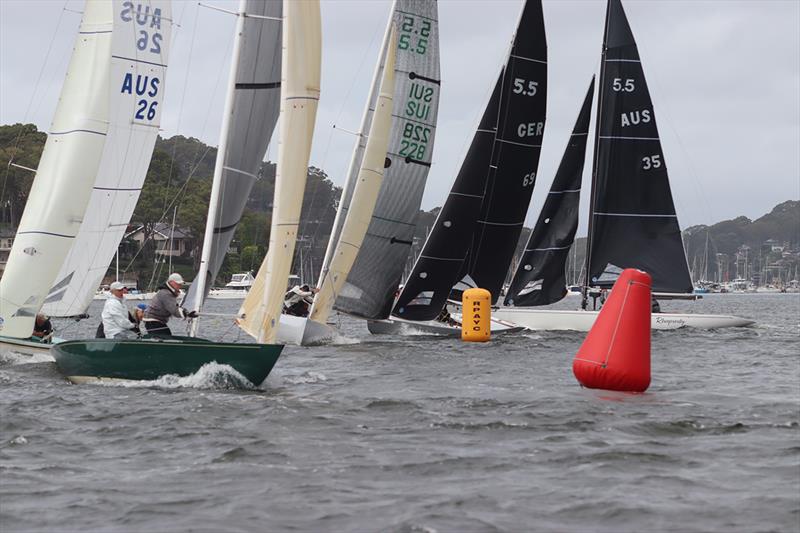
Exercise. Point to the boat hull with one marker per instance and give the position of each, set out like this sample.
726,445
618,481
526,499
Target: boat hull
301,331
542,319
25,346
151,358
398,326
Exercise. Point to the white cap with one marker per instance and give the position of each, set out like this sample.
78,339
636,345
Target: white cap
176,278
117,286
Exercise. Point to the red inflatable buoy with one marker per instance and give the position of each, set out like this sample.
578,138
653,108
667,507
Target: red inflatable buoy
616,353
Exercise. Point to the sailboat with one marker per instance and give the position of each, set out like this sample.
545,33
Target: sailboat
632,218
96,155
299,93
374,225
476,232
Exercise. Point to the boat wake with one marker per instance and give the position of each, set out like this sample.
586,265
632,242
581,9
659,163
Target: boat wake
210,376
306,377
15,358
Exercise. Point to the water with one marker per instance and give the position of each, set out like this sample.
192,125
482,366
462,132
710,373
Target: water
420,434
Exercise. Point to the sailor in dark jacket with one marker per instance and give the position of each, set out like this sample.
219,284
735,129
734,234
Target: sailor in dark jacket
165,305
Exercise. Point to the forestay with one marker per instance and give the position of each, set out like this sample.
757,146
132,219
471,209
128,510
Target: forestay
300,83
633,223
253,116
371,285
540,278
139,51
476,232
65,176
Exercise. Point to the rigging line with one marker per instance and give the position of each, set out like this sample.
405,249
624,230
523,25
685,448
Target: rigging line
33,94
183,95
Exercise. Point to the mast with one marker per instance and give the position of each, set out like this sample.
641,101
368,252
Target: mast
213,204
355,158
593,193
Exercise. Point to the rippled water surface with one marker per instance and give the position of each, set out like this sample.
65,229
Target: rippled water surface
419,434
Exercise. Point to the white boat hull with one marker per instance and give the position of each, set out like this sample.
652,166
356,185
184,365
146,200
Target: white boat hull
543,319
300,331
24,346
398,326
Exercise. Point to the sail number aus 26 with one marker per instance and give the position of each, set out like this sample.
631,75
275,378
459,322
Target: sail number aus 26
141,14
651,161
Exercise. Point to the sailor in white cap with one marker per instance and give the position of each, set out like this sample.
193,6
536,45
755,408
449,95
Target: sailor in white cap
165,305
117,322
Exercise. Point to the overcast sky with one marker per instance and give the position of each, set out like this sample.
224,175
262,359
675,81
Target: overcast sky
724,76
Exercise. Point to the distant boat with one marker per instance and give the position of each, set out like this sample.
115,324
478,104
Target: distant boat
235,289
632,218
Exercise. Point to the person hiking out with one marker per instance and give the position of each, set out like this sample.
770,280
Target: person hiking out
297,300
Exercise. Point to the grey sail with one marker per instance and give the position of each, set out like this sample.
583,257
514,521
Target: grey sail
373,280
256,106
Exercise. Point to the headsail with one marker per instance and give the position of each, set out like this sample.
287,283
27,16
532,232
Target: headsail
136,91
372,282
540,277
477,229
65,176
300,83
253,115
365,192
632,222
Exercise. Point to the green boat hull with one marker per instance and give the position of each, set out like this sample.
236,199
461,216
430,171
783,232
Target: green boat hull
151,358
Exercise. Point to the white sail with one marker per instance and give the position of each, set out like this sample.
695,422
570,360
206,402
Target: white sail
365,193
139,51
300,82
65,176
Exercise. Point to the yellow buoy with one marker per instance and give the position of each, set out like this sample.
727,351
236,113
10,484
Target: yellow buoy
476,316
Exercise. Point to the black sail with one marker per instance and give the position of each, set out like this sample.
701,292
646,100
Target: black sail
632,223
540,278
476,231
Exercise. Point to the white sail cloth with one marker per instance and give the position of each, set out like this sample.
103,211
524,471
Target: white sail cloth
139,51
65,176
300,88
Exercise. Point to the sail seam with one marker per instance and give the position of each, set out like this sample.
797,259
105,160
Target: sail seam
518,143
45,233
236,170
465,194
546,249
623,61
77,131
629,138
635,215
442,258
529,59
140,61
416,15
116,189
565,191
501,223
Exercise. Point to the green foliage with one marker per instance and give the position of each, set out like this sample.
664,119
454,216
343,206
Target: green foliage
21,144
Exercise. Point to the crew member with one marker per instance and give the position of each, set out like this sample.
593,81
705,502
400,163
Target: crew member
117,323
297,301
165,305
43,328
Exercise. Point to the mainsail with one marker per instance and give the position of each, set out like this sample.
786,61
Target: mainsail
137,89
67,170
632,221
476,232
300,83
365,192
253,113
372,282
540,277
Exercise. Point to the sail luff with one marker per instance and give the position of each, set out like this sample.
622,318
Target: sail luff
300,89
477,229
200,280
365,192
253,116
540,277
374,277
67,170
634,222
356,156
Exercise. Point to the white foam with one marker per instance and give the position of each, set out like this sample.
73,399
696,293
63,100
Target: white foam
307,377
16,358
210,376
